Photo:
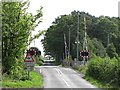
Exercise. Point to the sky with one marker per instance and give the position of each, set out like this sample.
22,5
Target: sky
54,8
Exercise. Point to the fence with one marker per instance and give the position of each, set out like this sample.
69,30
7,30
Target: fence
73,64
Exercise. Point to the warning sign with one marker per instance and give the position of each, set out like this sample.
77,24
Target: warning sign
29,61
28,58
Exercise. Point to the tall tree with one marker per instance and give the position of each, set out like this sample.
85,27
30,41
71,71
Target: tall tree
54,37
17,25
105,30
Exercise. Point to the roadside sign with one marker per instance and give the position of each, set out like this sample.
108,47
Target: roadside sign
29,60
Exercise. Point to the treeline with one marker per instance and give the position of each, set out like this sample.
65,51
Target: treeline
103,35
103,38
17,25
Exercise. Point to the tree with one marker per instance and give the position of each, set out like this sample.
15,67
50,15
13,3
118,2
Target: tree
17,25
105,29
54,37
111,50
97,47
101,31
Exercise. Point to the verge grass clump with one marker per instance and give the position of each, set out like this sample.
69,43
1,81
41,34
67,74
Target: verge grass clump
35,81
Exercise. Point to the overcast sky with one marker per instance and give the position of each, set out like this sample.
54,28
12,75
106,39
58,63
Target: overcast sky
54,8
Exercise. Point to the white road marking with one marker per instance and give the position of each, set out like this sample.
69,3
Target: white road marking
46,66
61,75
40,71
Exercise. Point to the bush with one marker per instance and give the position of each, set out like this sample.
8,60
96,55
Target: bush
38,60
40,63
94,67
104,69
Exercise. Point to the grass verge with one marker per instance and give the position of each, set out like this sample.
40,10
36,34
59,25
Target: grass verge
36,81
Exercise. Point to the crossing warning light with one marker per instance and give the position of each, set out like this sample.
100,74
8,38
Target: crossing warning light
84,53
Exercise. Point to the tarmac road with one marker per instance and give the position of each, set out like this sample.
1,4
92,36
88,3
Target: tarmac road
61,77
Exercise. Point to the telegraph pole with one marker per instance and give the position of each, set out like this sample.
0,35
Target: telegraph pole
69,27
78,35
85,39
65,44
69,43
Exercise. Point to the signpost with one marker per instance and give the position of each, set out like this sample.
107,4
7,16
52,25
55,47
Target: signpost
29,62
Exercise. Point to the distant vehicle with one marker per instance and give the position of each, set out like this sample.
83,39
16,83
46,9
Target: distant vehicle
49,58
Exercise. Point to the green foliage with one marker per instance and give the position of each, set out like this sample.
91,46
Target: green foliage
17,25
99,84
96,47
35,81
83,69
93,67
102,32
105,70
40,61
111,50
17,69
